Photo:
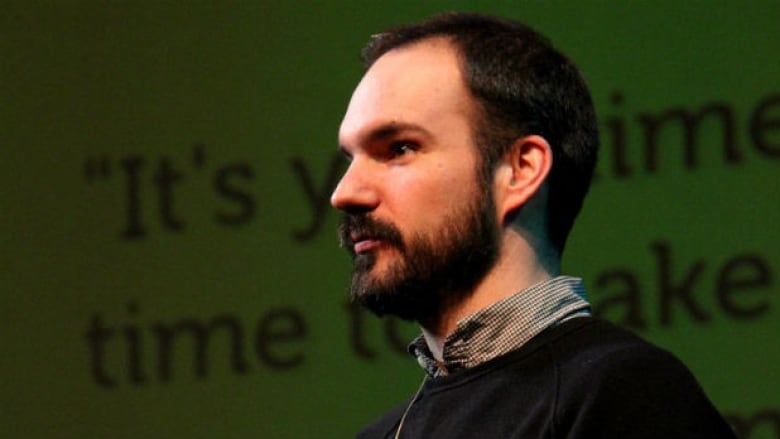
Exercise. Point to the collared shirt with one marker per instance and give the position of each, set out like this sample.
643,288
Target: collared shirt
505,325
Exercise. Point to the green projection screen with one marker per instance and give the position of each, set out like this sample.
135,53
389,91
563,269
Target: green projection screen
170,267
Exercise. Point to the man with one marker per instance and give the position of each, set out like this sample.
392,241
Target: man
472,143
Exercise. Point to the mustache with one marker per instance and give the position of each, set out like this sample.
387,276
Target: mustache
362,226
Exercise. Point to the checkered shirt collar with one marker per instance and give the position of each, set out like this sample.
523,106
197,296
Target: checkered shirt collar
505,325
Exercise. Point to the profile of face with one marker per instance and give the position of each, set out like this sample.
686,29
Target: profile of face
421,231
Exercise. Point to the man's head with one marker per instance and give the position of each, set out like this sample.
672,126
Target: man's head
442,105
522,86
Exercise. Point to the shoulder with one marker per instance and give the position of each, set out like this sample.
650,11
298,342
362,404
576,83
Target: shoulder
590,357
600,348
609,380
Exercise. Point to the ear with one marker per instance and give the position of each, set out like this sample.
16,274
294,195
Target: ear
521,174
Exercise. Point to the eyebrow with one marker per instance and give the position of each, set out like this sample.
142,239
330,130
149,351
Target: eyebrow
389,130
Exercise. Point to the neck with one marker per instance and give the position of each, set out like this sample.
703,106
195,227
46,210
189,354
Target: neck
519,266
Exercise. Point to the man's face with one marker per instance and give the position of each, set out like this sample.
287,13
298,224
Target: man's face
421,231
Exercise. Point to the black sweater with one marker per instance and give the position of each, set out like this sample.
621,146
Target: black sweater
585,378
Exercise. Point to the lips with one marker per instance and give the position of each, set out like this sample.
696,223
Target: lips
365,245
362,243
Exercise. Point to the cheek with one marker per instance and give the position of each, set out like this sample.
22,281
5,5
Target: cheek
422,201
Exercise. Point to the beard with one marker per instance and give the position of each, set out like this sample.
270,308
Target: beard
429,272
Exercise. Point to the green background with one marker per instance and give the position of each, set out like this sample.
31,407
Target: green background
263,85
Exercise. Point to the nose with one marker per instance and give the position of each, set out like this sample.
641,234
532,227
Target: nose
356,191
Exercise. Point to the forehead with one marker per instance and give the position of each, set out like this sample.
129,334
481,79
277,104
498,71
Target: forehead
417,85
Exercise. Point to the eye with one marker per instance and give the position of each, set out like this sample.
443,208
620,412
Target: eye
402,147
